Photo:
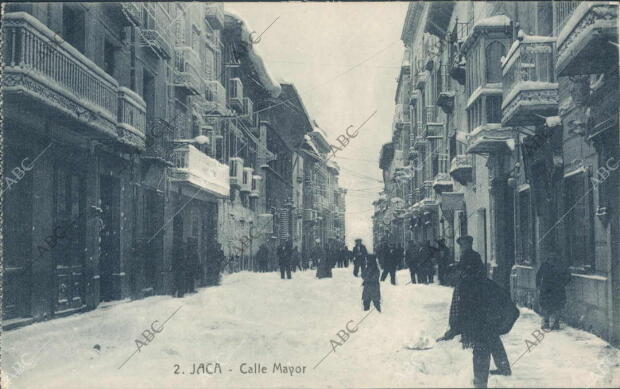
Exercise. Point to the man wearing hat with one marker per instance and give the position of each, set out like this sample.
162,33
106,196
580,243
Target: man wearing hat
470,259
359,257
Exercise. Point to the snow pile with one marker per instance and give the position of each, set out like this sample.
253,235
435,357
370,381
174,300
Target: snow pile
259,319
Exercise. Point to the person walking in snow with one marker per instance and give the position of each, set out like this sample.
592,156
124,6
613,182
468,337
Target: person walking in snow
359,257
372,288
426,269
443,261
480,312
284,259
412,260
391,263
295,260
262,257
551,280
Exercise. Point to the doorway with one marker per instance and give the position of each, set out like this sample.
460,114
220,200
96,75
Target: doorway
110,259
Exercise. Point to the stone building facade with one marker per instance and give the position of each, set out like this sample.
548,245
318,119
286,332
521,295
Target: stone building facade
506,129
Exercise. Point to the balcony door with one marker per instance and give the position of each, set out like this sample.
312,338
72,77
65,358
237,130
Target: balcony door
68,255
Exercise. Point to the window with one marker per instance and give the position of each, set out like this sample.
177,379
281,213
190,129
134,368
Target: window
494,52
525,228
74,26
494,109
578,221
109,52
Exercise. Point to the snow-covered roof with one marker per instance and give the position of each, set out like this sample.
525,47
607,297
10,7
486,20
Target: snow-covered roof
265,78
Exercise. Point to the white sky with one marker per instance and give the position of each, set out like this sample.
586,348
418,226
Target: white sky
317,46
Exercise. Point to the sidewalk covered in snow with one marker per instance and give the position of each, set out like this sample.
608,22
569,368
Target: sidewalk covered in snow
259,319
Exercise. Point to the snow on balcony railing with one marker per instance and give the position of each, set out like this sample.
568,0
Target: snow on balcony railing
131,110
216,97
32,48
530,62
197,168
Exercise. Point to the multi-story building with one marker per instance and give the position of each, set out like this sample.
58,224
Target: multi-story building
518,103
133,131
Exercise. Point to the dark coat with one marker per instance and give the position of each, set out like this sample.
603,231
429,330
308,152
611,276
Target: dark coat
360,253
284,254
552,280
411,256
480,309
395,259
262,256
372,289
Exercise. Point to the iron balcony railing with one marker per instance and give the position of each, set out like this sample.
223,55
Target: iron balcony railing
33,50
562,10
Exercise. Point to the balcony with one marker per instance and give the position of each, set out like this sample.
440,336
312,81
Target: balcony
158,141
195,168
401,116
414,97
155,37
248,111
420,142
186,75
530,92
456,61
216,98
421,79
215,16
490,138
235,94
308,215
442,183
236,172
132,13
255,192
587,42
461,169
65,81
246,182
131,126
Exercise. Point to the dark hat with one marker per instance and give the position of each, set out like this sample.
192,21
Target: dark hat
464,238
358,239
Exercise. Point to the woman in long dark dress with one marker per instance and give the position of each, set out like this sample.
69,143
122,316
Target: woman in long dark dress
372,288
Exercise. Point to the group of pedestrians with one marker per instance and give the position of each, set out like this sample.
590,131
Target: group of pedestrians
189,268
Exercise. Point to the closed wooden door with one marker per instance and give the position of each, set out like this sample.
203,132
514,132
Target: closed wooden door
70,227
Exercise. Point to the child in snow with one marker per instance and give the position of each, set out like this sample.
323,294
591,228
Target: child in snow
372,291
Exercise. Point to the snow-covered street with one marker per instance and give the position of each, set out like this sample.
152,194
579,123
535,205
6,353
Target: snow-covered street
259,319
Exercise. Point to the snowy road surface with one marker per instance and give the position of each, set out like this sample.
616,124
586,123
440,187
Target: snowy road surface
259,319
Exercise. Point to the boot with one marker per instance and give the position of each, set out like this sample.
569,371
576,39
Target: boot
504,371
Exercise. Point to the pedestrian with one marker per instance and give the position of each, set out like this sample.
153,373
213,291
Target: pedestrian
426,262
480,312
443,261
347,256
372,288
412,260
284,259
295,261
551,280
359,257
390,264
262,257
